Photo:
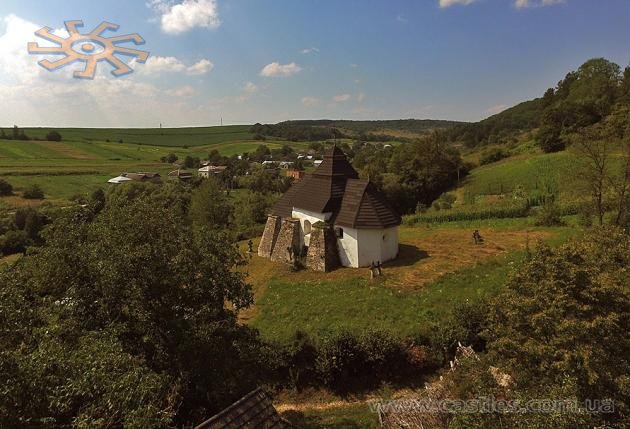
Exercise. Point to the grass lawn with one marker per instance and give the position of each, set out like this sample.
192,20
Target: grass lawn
438,268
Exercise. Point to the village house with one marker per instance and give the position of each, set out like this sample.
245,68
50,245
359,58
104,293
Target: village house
295,174
338,218
181,174
211,170
136,177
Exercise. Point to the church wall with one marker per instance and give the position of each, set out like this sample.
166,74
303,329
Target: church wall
348,248
376,245
268,240
312,217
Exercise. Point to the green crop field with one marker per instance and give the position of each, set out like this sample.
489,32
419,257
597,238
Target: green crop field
531,171
174,137
87,158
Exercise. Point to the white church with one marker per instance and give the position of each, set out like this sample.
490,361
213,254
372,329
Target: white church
333,216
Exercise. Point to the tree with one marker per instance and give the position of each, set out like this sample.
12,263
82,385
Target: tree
104,327
604,168
209,205
33,192
169,159
561,325
5,188
53,136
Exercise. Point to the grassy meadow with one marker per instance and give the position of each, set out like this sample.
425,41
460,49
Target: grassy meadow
87,158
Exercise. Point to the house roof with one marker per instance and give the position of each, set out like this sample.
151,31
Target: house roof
334,187
253,411
119,179
363,207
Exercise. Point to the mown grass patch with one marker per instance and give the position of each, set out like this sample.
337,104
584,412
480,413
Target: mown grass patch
413,291
352,416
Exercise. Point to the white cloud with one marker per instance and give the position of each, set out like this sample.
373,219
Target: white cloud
360,97
401,18
340,98
179,17
158,65
31,95
449,3
354,66
276,69
495,109
182,91
310,101
250,87
522,4
307,51
202,67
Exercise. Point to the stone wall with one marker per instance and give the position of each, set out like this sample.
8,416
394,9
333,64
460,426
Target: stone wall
268,240
288,239
322,250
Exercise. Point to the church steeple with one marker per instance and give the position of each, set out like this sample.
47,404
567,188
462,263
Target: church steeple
336,164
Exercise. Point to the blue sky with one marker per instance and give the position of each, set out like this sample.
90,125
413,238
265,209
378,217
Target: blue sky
266,61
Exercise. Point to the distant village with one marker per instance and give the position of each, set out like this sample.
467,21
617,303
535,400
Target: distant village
283,162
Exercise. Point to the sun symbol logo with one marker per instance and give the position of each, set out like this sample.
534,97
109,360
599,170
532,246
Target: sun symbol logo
88,48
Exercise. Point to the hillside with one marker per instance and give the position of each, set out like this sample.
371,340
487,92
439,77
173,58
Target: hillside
175,137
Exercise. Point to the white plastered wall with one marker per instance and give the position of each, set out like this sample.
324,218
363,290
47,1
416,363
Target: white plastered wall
348,247
312,217
377,245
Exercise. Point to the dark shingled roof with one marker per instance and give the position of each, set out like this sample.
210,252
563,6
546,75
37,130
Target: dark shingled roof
335,187
363,207
253,411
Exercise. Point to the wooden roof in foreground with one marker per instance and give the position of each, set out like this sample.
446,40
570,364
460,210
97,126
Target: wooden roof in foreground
253,411
334,187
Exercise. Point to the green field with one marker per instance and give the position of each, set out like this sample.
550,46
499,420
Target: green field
174,137
531,171
85,160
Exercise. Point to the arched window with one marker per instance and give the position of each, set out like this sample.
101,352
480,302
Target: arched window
307,227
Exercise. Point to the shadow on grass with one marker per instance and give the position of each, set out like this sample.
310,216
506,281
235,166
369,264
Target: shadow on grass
304,421
407,255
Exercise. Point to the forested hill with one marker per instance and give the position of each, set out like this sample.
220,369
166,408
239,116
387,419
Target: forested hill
323,129
585,97
596,90
417,126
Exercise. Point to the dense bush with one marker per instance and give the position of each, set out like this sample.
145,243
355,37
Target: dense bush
549,215
103,326
493,155
53,136
509,210
33,192
347,362
5,188
14,241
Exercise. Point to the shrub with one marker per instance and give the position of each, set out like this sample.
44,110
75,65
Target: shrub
340,361
493,155
549,215
299,359
512,210
53,136
5,188
33,192
13,242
